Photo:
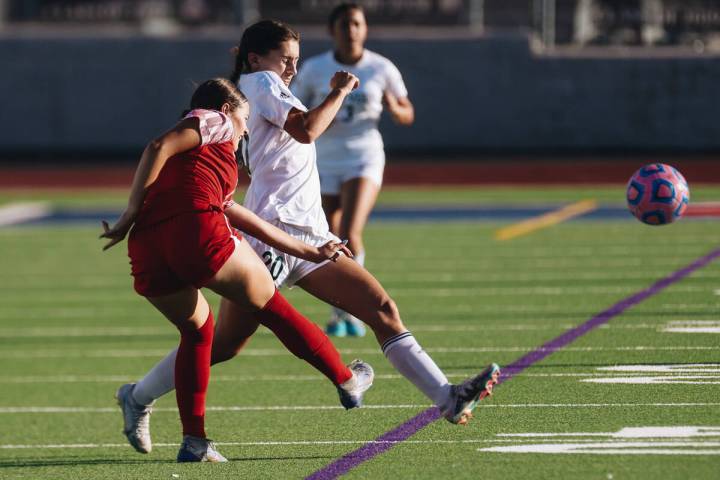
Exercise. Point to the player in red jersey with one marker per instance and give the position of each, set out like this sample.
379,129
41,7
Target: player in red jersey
180,240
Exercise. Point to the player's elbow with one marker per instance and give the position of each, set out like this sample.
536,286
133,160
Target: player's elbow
157,146
300,127
303,136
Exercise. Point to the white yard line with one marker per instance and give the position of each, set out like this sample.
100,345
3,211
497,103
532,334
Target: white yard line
279,443
55,332
270,352
54,280
317,408
42,379
30,312
77,300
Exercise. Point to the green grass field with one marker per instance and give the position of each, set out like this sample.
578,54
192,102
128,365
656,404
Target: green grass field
72,330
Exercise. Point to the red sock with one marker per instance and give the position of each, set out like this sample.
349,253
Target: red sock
303,338
192,374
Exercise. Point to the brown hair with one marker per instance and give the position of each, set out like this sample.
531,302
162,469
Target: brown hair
213,93
260,38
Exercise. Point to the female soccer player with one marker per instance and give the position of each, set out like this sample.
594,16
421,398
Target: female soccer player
350,155
285,190
181,241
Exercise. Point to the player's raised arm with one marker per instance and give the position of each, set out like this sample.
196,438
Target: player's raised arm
306,127
183,137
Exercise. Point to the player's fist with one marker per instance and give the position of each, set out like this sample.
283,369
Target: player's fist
343,80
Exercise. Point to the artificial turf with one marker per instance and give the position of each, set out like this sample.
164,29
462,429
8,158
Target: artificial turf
72,330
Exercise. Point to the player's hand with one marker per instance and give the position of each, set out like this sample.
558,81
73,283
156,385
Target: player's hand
117,232
346,81
331,251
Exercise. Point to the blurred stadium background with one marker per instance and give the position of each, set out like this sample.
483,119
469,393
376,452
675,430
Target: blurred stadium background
94,80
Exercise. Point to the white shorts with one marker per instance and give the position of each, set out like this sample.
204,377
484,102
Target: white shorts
330,181
285,269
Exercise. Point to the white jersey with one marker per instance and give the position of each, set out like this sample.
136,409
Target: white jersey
284,182
353,138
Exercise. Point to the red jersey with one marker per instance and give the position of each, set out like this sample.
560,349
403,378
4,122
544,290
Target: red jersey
200,179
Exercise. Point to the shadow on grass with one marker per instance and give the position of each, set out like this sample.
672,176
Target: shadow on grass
74,462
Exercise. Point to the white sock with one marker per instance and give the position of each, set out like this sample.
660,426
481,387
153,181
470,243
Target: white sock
157,382
408,358
338,312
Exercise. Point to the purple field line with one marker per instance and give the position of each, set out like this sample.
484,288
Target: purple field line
405,430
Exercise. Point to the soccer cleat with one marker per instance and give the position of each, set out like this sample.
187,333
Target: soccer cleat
196,449
136,417
354,326
351,392
465,396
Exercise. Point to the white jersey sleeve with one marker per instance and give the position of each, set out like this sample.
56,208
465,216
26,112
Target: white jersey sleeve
215,127
395,84
272,100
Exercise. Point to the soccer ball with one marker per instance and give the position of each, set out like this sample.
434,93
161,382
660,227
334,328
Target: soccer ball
657,194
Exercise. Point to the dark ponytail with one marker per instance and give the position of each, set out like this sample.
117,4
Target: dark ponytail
213,93
260,38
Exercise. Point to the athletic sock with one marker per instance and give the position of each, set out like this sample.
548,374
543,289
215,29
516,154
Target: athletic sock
303,338
408,358
157,382
192,375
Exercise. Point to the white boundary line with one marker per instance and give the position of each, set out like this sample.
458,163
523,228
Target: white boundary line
270,352
55,332
44,298
285,443
316,408
586,377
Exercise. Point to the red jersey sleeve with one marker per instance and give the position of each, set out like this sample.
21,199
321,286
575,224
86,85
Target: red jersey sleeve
215,127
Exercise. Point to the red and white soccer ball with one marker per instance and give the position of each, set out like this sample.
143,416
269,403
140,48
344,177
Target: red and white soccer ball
657,194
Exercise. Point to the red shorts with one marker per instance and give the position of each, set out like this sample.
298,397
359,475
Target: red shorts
185,250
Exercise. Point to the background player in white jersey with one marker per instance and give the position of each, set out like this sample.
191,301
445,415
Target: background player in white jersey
350,154
285,191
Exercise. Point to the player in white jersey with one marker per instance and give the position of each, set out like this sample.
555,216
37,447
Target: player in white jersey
285,191
351,157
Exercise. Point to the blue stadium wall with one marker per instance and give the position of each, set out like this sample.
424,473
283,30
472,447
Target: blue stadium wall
72,95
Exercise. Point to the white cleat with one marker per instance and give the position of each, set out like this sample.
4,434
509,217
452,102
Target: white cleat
352,392
196,449
137,419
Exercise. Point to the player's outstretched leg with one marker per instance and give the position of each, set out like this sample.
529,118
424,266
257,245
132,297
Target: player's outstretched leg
136,418
465,396
198,449
348,286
